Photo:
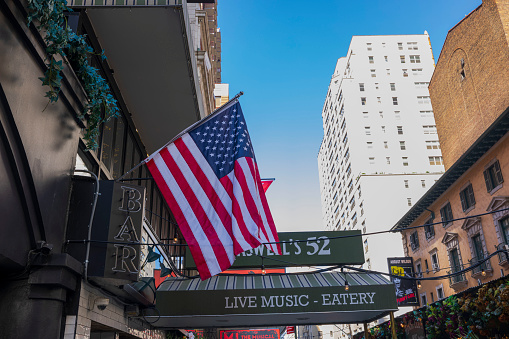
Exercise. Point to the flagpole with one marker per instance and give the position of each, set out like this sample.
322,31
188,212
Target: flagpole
238,95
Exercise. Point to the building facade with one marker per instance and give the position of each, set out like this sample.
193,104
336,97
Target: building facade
50,288
464,213
207,48
380,150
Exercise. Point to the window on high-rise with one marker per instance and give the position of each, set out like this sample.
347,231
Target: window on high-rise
402,59
373,73
423,100
416,71
388,71
409,201
415,59
386,145
400,46
371,59
369,46
423,183
379,100
400,129
369,144
402,145
395,101
432,144
393,86
365,115
412,45
361,87
429,129
388,160
405,72
435,161
405,161
372,160
406,183
426,114
367,130
396,115
363,101
386,59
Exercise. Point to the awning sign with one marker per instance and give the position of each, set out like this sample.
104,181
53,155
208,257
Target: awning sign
317,249
273,300
250,334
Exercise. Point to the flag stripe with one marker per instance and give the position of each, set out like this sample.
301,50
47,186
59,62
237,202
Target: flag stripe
214,188
207,195
270,227
245,184
242,211
161,181
194,231
240,223
198,207
255,193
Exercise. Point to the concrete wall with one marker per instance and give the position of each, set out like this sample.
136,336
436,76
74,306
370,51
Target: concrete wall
111,320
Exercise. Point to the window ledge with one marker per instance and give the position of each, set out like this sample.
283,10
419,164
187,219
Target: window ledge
446,226
496,189
469,209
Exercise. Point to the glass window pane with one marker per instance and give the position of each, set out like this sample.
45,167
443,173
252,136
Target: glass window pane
118,148
107,143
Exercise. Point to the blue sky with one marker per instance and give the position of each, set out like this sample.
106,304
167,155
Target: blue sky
282,53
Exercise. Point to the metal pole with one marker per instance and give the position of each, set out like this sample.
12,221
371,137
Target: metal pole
366,333
393,326
94,204
183,132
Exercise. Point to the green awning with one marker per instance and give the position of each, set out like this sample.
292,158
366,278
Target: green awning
276,299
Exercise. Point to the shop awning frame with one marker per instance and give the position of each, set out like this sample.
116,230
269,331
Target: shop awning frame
272,300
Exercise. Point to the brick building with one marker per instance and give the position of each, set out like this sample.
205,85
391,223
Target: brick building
469,95
470,80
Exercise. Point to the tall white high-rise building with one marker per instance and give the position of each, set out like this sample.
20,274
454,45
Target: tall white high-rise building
380,150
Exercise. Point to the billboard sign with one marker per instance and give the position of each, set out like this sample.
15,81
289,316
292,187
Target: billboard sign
317,248
406,290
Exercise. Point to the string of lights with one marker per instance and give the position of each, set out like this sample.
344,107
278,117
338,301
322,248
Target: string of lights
471,267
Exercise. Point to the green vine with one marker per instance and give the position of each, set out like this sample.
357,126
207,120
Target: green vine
61,40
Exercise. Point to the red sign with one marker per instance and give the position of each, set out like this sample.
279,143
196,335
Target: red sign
290,329
250,334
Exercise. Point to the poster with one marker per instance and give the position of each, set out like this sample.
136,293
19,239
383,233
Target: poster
406,290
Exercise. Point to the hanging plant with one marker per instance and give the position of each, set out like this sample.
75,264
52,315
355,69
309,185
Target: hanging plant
61,40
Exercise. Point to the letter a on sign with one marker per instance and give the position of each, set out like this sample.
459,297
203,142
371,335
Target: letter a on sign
127,231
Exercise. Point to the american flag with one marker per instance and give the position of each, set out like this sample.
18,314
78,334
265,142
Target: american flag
211,183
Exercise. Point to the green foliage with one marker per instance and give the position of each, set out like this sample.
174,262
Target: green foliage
61,40
484,312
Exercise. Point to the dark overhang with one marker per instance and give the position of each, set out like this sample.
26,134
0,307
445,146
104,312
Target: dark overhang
150,53
482,145
272,300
